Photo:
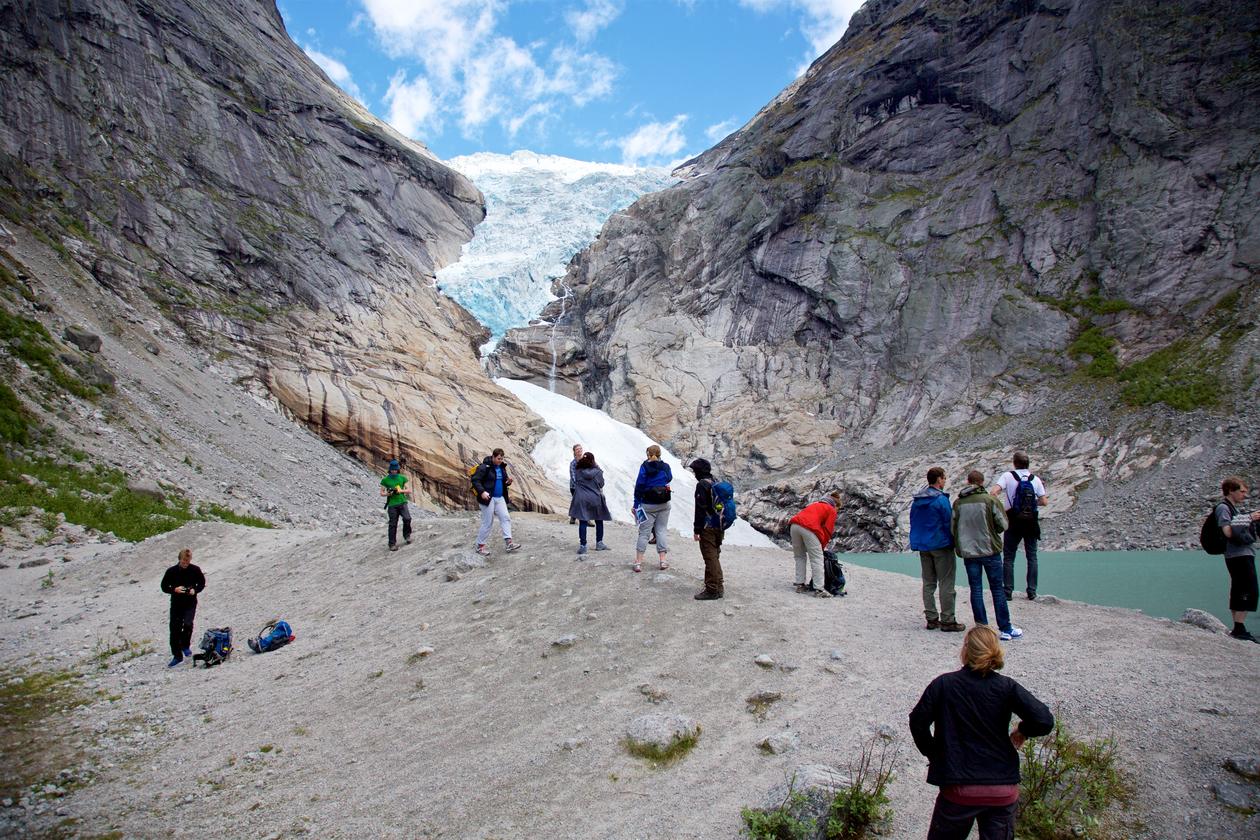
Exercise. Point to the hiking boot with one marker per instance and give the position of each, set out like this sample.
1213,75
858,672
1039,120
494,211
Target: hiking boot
953,626
933,624
510,546
393,548
1245,636
407,540
599,546
1032,596
707,595
176,661
581,549
800,587
483,550
822,593
1013,633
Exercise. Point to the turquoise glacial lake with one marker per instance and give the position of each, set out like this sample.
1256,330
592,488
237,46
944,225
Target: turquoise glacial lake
1159,583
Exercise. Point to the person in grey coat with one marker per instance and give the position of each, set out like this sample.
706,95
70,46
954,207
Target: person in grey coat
588,501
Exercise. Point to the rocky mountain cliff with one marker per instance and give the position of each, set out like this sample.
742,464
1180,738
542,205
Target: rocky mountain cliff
969,226
189,155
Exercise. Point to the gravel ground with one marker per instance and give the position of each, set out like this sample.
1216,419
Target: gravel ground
355,731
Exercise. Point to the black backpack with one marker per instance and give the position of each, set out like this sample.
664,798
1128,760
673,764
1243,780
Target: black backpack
1024,503
833,575
1211,537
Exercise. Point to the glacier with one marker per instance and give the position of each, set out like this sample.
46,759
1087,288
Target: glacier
540,211
619,450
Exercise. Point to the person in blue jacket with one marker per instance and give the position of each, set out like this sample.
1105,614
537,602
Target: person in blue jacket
651,507
930,519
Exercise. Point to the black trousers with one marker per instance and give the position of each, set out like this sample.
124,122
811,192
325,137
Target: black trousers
394,513
182,614
951,821
1243,590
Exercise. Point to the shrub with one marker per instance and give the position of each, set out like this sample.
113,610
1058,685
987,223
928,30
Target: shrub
1174,376
14,424
1097,346
1069,787
781,823
865,801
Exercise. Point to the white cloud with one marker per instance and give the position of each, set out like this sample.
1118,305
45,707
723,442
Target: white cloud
338,72
652,142
479,75
822,22
412,106
597,15
716,132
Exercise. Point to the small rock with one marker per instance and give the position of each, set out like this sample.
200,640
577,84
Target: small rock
566,641
82,338
152,348
572,744
422,652
1248,766
1204,620
780,743
661,731
653,693
728,612
764,660
837,654
453,575
1048,599
886,732
1236,796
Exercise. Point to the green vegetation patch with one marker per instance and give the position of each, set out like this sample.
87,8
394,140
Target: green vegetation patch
30,342
32,704
677,748
97,497
782,823
1071,788
1096,345
15,422
1178,376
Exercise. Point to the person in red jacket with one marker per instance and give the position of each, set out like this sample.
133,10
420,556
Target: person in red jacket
811,529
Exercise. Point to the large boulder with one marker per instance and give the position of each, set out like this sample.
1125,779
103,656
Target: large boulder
1204,620
84,339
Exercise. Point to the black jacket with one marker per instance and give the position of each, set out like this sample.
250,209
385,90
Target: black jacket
705,513
483,480
190,577
962,724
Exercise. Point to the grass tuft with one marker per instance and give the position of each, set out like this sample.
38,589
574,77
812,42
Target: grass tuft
662,756
1070,788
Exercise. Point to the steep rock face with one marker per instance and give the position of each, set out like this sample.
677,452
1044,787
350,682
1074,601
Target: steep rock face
191,153
914,234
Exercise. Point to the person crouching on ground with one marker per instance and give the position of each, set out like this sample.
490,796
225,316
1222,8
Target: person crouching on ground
811,530
962,724
651,507
395,490
930,534
588,501
491,482
707,530
182,582
977,531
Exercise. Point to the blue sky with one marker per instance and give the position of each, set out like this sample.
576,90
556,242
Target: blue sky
643,82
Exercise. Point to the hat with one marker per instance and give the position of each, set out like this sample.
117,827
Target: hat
700,466
393,465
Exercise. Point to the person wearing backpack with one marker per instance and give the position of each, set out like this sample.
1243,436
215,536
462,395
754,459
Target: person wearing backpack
1239,529
977,528
395,490
1023,494
810,530
707,530
651,507
930,521
490,482
182,582
588,501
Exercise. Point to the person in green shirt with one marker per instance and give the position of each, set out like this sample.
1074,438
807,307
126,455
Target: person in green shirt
395,490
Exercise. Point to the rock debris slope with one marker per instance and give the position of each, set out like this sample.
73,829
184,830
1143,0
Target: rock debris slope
189,154
966,216
434,693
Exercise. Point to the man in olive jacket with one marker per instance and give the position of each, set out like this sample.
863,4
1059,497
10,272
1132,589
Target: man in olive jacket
977,528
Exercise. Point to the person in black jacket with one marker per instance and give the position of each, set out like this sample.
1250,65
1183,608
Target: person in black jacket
707,530
182,582
491,482
962,724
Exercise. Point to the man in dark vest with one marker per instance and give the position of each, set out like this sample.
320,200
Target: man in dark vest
182,582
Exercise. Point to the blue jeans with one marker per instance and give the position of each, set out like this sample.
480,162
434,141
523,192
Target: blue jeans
1010,544
599,531
977,567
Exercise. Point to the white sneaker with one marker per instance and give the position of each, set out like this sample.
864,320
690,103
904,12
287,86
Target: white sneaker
1014,634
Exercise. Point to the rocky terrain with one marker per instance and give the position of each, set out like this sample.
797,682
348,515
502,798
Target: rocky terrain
187,162
969,227
434,693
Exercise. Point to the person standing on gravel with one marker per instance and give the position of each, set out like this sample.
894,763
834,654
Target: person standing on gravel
588,502
931,522
577,454
1022,494
707,530
652,496
491,482
1240,554
182,582
811,530
962,724
977,529
395,490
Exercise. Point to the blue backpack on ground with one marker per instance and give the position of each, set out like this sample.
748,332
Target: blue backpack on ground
724,503
274,635
216,646
1024,505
